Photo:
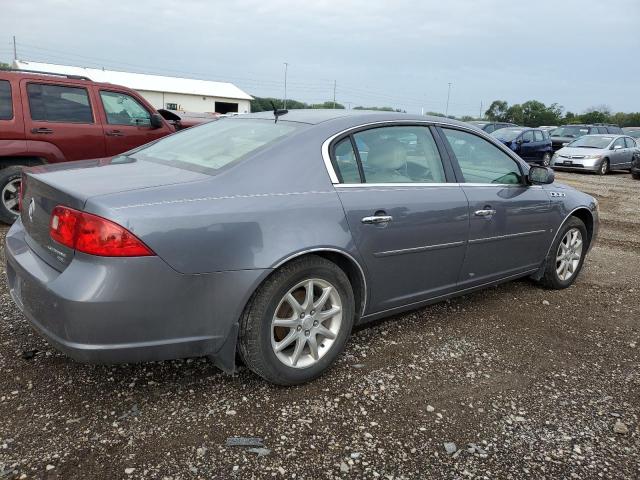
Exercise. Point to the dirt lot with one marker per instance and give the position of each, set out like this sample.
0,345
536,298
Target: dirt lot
544,384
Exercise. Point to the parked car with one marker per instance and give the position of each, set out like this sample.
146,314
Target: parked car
596,153
564,135
50,118
632,132
272,239
635,165
548,128
491,126
532,144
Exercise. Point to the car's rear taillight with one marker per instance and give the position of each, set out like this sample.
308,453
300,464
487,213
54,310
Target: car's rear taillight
94,235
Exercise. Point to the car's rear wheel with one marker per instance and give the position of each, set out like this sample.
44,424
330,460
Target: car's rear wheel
565,259
10,178
298,321
546,159
604,167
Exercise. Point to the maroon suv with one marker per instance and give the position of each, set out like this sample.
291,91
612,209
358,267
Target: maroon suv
48,118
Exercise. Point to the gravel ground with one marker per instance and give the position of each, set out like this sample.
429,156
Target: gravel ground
527,383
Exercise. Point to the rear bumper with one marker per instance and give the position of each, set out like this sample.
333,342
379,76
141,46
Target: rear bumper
115,310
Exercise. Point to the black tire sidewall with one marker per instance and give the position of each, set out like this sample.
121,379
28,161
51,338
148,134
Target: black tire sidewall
7,175
604,162
551,275
276,371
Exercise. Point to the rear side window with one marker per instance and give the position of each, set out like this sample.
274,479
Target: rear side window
481,161
346,162
57,103
614,129
212,146
402,154
6,104
630,142
123,109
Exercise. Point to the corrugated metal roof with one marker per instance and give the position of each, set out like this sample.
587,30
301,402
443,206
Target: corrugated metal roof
141,81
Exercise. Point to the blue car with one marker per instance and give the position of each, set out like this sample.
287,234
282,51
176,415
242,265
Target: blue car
531,144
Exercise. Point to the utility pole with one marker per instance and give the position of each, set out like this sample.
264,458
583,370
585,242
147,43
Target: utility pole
446,111
480,116
334,94
15,50
286,66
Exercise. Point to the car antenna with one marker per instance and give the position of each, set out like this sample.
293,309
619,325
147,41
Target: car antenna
277,112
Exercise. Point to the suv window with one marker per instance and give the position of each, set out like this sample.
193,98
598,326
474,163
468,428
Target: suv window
6,104
614,129
58,103
345,161
481,161
399,155
630,142
538,135
528,136
123,109
602,130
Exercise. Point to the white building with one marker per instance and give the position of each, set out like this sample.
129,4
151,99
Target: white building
172,93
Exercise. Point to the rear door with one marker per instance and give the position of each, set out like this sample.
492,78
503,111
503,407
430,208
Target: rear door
617,156
528,147
509,227
127,122
60,121
408,223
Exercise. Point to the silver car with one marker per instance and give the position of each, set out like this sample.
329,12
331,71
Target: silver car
596,153
271,235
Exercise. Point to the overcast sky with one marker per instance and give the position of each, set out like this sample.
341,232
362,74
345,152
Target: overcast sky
400,53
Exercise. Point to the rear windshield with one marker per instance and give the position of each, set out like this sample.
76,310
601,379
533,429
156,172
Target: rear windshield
570,131
212,146
507,134
591,141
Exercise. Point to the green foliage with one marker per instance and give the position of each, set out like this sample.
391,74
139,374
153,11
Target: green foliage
4,66
327,105
262,104
380,109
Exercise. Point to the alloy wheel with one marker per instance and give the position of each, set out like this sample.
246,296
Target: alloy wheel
10,196
569,254
546,159
306,323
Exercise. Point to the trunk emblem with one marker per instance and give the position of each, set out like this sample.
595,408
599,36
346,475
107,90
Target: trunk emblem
32,208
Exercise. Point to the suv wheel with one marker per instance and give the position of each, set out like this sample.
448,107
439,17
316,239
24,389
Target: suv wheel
298,321
10,178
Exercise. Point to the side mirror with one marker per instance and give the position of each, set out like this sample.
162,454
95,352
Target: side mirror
519,141
540,175
156,120
616,147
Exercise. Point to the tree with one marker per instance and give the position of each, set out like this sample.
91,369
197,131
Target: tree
262,104
328,104
497,111
380,109
4,66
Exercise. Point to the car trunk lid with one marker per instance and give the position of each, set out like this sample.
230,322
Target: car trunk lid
71,184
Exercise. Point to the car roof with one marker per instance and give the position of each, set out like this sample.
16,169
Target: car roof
354,117
53,77
612,135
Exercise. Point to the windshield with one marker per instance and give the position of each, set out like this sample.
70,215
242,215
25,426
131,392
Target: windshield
214,145
591,141
569,131
507,134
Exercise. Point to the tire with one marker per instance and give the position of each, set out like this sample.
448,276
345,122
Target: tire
635,176
603,169
551,278
546,159
260,338
9,191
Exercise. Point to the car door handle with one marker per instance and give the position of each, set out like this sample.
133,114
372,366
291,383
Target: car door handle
377,219
41,130
484,213
115,133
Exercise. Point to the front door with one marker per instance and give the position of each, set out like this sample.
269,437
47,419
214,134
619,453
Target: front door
509,227
127,122
408,223
60,118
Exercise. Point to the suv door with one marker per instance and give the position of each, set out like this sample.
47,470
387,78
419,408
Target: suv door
509,226
60,122
410,226
127,122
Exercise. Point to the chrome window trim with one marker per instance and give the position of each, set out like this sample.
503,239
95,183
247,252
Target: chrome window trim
335,250
326,156
420,184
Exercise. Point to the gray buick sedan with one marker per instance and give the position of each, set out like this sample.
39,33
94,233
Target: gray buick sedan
271,235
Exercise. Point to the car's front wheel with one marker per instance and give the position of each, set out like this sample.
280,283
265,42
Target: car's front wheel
604,167
565,259
298,321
